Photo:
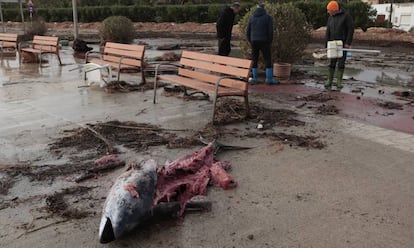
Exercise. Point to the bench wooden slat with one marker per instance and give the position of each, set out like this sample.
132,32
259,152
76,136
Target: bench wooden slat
128,47
120,53
8,38
113,64
228,61
201,86
8,44
6,35
44,43
46,38
210,78
115,59
45,48
227,70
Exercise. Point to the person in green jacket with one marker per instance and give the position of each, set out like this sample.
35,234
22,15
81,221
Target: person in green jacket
340,26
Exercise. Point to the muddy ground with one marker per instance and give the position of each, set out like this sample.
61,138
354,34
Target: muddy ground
324,169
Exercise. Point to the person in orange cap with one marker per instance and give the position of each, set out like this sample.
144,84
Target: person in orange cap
340,26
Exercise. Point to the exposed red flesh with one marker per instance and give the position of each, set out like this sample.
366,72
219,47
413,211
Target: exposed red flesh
221,178
132,190
106,160
189,176
191,162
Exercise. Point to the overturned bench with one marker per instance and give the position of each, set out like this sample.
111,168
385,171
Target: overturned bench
42,45
217,76
8,41
120,57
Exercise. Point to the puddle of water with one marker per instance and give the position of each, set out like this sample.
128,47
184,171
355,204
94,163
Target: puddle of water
379,76
367,75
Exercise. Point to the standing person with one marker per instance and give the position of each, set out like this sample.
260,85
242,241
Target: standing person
224,28
340,26
260,36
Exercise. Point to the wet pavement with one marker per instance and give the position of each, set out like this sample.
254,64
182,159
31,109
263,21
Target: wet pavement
356,189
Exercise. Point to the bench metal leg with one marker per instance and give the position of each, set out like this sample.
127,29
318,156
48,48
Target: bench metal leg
155,89
214,108
60,61
119,75
246,105
143,75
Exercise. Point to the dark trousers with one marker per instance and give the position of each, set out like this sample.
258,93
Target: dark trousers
265,48
224,46
340,61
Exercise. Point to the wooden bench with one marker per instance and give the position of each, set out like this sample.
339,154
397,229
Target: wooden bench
120,57
8,41
41,45
214,75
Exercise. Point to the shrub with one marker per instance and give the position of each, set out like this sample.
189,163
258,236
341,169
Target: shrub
117,29
37,26
291,32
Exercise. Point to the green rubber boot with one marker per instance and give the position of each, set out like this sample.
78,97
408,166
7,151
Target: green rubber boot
328,83
339,77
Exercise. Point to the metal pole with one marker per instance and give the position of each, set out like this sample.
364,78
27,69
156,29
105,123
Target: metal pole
1,17
22,14
75,19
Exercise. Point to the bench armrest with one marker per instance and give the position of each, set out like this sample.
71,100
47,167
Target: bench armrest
125,57
221,78
88,53
157,67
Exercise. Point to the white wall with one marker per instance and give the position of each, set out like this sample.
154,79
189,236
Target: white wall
402,14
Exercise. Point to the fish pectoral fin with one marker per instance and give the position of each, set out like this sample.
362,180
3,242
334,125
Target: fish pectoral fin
107,234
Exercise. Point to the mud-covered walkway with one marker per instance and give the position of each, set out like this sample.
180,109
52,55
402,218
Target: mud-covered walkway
325,169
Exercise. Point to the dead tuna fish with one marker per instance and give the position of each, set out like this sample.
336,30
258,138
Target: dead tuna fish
129,201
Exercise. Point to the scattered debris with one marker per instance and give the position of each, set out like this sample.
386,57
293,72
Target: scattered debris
169,47
6,182
169,56
404,95
46,172
232,110
357,90
301,105
303,196
291,139
390,105
320,97
57,205
327,110
134,135
122,86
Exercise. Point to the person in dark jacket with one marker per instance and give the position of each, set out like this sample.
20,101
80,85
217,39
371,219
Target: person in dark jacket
260,36
340,26
224,28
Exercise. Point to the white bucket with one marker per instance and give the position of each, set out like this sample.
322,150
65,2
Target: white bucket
335,49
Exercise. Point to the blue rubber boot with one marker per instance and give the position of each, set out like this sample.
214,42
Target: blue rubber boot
269,77
253,79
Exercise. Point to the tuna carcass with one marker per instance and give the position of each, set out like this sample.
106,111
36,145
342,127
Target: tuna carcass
129,201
